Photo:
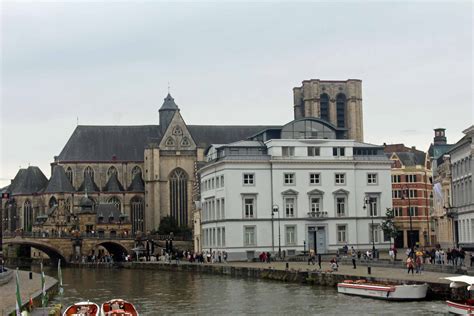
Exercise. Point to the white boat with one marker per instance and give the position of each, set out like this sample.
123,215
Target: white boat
383,291
118,307
82,309
461,307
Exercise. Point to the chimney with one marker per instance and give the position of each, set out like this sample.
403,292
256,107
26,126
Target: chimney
440,137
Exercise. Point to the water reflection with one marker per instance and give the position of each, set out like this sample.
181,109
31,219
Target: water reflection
159,292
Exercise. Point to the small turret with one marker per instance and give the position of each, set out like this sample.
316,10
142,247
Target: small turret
440,137
167,111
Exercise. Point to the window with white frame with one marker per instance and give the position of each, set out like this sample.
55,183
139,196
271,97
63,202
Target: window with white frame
249,179
338,151
412,193
249,236
396,194
290,235
314,178
222,208
340,178
397,211
219,237
249,206
222,181
287,151
373,205
223,236
340,206
396,178
371,178
341,233
315,204
289,178
218,208
374,233
313,151
290,205
411,177
413,211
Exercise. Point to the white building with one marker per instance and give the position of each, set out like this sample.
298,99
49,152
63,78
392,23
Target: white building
286,190
462,167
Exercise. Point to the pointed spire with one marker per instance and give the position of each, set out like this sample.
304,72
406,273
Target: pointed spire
169,104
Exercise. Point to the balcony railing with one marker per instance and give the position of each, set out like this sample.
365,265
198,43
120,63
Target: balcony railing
322,214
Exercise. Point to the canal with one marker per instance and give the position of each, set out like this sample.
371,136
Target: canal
160,292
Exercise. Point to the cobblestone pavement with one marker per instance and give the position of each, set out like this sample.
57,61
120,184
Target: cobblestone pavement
28,288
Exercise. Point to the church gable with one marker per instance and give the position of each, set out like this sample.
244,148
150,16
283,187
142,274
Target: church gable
177,135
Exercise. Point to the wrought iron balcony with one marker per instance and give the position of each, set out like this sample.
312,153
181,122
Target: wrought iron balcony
321,214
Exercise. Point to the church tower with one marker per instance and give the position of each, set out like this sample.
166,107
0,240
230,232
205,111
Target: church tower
337,102
166,112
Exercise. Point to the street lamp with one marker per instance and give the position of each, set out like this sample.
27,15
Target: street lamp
276,210
273,234
372,212
406,195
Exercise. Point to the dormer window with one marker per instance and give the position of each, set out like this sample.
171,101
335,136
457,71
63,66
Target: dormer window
287,151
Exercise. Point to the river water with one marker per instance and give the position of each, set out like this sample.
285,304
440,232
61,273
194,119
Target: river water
162,292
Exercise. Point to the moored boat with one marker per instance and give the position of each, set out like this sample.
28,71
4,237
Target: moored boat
118,307
383,291
465,306
82,309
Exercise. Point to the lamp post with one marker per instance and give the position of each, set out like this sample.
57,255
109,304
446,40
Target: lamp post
371,210
273,235
406,195
276,210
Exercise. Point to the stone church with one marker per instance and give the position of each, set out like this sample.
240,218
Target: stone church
149,172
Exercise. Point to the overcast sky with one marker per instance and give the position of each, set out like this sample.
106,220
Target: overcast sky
227,63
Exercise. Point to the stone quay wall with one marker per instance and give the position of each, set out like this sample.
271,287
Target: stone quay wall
437,291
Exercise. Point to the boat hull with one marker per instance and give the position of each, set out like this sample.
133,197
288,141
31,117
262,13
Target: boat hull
460,308
82,309
386,292
125,309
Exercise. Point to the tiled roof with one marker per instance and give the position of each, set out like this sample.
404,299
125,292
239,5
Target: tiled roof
137,184
113,185
28,181
88,185
59,182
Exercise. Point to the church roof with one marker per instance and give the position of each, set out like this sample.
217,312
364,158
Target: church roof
113,185
169,104
88,185
28,181
127,143
59,182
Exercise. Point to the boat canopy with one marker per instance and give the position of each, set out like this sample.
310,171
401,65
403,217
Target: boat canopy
461,281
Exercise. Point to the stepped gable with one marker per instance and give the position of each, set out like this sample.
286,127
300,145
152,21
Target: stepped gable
88,185
113,185
28,181
59,182
137,184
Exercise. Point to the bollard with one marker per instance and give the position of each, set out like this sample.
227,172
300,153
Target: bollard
369,270
31,275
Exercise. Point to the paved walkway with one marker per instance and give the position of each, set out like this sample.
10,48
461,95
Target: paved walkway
28,288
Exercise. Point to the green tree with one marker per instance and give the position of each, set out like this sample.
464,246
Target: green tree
168,225
388,226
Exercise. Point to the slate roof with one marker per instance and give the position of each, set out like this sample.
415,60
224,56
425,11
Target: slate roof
410,158
137,184
169,104
113,185
88,184
127,143
28,181
107,211
59,182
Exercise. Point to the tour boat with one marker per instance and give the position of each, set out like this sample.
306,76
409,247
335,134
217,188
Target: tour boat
466,306
383,291
118,307
82,309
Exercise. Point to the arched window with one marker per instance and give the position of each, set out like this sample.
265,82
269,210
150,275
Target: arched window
136,170
52,202
69,174
324,107
179,196
67,205
341,110
138,214
116,202
112,170
89,171
27,216
12,219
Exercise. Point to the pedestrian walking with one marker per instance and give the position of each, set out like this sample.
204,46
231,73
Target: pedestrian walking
410,265
319,260
353,255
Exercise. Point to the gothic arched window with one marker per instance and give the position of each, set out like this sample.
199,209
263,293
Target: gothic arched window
89,171
69,174
179,196
138,214
341,110
116,202
112,170
324,107
136,170
52,202
27,216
